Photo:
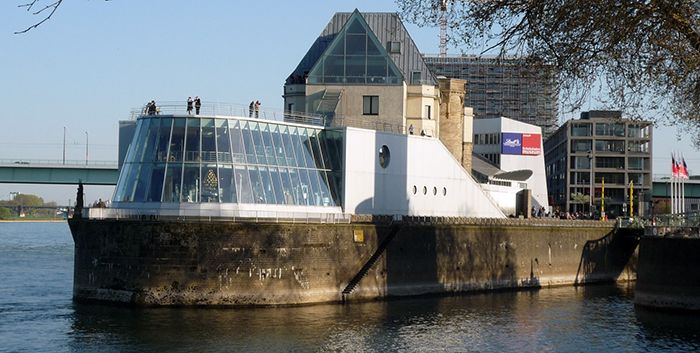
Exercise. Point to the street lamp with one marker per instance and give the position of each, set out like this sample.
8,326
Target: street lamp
590,194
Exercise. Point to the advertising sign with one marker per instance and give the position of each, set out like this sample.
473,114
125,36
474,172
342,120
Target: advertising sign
532,144
512,143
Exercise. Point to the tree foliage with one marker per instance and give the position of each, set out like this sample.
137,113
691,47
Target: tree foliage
5,213
646,53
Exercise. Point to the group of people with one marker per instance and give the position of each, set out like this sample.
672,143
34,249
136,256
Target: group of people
538,212
254,107
197,105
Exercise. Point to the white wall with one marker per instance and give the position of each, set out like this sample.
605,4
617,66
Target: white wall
509,162
415,161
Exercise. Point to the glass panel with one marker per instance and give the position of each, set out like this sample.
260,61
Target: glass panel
258,143
208,141
152,138
313,141
269,146
156,184
304,187
210,183
355,26
372,48
126,183
277,185
306,148
258,193
610,162
223,142
580,162
294,186
163,140
333,69
355,69
192,140
288,149
279,146
140,141
143,178
268,188
227,186
325,193
376,69
334,149
356,44
177,142
243,184
337,48
237,143
190,184
171,187
316,193
581,129
248,141
336,184
580,145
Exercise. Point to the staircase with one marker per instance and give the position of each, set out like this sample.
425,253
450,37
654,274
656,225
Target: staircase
329,103
380,250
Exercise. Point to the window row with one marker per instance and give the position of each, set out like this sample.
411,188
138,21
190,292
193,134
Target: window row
234,141
228,183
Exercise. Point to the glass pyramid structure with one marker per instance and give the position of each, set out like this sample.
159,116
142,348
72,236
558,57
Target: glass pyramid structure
355,56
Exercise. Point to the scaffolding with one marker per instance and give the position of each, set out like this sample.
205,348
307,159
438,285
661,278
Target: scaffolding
503,87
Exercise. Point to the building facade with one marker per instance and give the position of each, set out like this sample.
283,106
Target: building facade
613,152
503,87
514,148
364,70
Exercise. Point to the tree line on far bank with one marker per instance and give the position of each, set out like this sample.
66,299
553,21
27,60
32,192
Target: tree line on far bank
26,200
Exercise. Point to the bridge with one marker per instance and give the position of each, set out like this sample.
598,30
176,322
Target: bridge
29,171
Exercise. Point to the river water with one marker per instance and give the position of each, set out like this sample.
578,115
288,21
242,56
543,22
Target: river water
38,315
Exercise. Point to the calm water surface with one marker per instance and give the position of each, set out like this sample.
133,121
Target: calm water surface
38,315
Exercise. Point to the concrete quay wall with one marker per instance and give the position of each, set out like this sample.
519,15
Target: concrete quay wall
216,263
668,274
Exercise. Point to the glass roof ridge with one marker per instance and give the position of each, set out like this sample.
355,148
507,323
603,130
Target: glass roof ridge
355,55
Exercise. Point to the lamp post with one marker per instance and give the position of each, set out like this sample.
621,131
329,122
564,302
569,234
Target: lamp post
590,194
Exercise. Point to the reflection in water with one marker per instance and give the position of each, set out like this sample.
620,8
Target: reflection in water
37,315
562,319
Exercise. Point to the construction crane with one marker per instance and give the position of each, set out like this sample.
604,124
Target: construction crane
444,6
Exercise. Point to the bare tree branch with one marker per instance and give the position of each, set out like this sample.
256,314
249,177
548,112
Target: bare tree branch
29,6
53,6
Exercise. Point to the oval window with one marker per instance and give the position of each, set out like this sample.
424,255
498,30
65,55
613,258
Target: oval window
415,189
384,156
425,190
434,190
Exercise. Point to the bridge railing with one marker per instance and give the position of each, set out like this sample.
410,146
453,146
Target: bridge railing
215,215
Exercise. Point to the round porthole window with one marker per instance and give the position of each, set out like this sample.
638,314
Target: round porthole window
425,190
444,191
434,190
384,156
415,189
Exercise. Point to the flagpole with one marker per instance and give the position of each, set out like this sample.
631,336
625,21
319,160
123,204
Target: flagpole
673,184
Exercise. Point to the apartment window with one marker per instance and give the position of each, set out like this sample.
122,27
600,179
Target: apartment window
427,111
394,47
370,105
416,78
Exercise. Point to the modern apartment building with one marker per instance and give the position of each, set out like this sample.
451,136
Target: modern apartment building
615,153
503,87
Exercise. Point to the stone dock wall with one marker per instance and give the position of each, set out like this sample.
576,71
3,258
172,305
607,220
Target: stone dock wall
220,263
669,272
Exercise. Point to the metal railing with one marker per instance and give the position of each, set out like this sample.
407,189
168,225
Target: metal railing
226,109
361,123
55,162
215,215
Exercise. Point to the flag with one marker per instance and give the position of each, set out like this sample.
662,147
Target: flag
683,170
674,167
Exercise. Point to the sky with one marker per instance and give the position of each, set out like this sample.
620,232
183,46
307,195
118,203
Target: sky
87,67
